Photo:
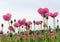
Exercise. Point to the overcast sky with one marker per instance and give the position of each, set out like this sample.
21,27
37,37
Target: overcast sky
27,9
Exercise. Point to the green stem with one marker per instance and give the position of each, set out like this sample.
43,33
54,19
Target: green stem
2,28
8,23
19,39
54,23
43,21
46,38
0,37
10,40
38,27
28,39
36,40
28,36
19,29
22,29
47,24
34,27
41,26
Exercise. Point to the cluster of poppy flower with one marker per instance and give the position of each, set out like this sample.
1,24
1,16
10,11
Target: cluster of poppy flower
44,12
19,23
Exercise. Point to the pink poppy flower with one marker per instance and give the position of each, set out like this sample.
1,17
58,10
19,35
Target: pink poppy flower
45,10
1,32
29,22
10,28
52,37
48,14
19,21
24,37
25,33
38,22
4,35
51,34
22,21
32,35
40,11
44,25
7,17
27,28
36,33
16,24
17,35
54,15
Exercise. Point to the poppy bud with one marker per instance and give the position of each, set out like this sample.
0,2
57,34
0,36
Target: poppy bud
34,21
2,25
11,22
46,17
14,20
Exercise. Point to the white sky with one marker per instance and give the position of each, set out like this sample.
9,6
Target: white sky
27,9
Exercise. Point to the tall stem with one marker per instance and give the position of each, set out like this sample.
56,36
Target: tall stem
54,23
34,27
0,37
57,23
47,24
40,28
2,29
19,29
28,36
8,23
43,21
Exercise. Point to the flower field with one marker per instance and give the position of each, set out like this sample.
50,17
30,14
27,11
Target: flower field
48,34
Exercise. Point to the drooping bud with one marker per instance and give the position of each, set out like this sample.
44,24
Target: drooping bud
11,22
14,20
34,21
2,25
